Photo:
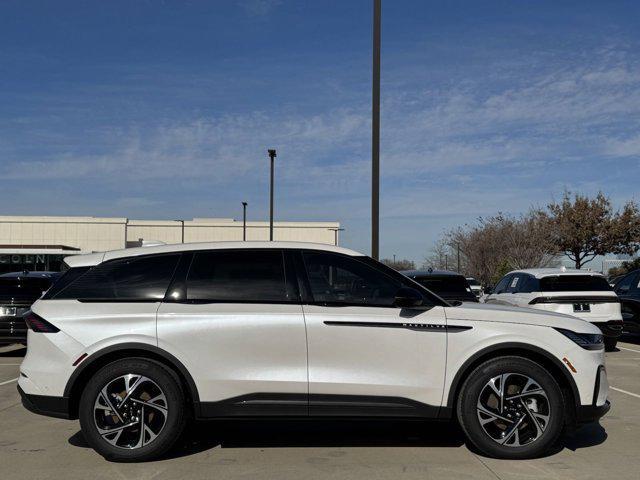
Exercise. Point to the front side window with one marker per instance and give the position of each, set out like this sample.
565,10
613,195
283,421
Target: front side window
339,279
238,276
502,285
133,278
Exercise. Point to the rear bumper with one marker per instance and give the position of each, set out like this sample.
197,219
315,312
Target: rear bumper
612,328
57,407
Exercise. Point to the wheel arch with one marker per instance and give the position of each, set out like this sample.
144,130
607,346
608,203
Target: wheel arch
97,360
536,354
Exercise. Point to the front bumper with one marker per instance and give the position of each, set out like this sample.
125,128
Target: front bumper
49,406
591,413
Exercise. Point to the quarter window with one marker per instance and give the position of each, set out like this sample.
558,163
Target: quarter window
131,278
238,276
338,279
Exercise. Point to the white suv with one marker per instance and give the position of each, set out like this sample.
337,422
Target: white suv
583,294
136,342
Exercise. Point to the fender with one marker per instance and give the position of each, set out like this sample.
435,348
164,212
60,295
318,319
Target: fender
465,368
131,347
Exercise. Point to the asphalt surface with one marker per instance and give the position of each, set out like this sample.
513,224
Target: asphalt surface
36,447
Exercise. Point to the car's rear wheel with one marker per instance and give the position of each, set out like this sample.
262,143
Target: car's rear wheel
132,410
511,407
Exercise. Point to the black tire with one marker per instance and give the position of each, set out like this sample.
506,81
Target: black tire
474,386
610,344
168,433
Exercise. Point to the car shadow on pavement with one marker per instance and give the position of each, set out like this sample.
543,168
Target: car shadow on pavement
335,433
586,436
266,433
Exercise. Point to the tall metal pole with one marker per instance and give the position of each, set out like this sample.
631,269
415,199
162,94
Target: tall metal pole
375,134
244,221
272,156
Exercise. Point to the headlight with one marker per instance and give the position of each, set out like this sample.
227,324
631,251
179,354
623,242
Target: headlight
588,341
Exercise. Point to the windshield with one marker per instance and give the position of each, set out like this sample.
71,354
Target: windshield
473,282
23,288
574,283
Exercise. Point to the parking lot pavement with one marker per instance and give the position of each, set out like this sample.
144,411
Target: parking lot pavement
37,447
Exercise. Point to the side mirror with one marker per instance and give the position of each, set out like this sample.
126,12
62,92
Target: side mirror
407,298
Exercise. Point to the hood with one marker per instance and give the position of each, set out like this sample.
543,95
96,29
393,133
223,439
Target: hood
526,316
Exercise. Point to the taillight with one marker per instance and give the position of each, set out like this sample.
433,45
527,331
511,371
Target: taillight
39,324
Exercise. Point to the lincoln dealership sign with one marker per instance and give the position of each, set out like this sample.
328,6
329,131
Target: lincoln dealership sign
21,259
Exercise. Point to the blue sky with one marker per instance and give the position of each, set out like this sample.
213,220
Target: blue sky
165,109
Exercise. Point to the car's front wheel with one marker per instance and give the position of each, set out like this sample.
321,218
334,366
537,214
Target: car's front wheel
511,407
132,410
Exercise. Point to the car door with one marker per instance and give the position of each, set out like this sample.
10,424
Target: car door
367,357
236,322
513,295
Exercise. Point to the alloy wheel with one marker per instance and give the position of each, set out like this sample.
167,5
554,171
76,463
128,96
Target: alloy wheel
130,411
513,409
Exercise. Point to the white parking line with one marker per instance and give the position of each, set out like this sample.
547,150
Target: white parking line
8,381
624,391
629,349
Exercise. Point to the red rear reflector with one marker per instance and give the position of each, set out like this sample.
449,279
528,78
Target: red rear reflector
80,358
39,324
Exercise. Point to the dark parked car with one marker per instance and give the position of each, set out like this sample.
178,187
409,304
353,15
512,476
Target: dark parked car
17,292
628,289
448,285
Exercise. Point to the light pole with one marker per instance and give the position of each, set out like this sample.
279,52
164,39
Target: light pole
335,232
244,221
272,156
375,133
182,229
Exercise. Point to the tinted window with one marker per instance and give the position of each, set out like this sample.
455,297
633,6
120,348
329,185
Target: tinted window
132,278
23,288
238,276
502,285
340,279
473,282
515,282
574,283
627,283
444,284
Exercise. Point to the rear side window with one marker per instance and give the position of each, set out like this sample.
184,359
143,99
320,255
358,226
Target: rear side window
67,278
134,278
574,283
238,276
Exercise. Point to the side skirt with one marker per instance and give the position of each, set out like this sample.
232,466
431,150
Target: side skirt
316,405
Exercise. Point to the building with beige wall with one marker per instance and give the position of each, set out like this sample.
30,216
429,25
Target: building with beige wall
43,241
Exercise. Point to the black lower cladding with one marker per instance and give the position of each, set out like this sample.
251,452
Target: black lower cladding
591,413
57,407
302,405
612,328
